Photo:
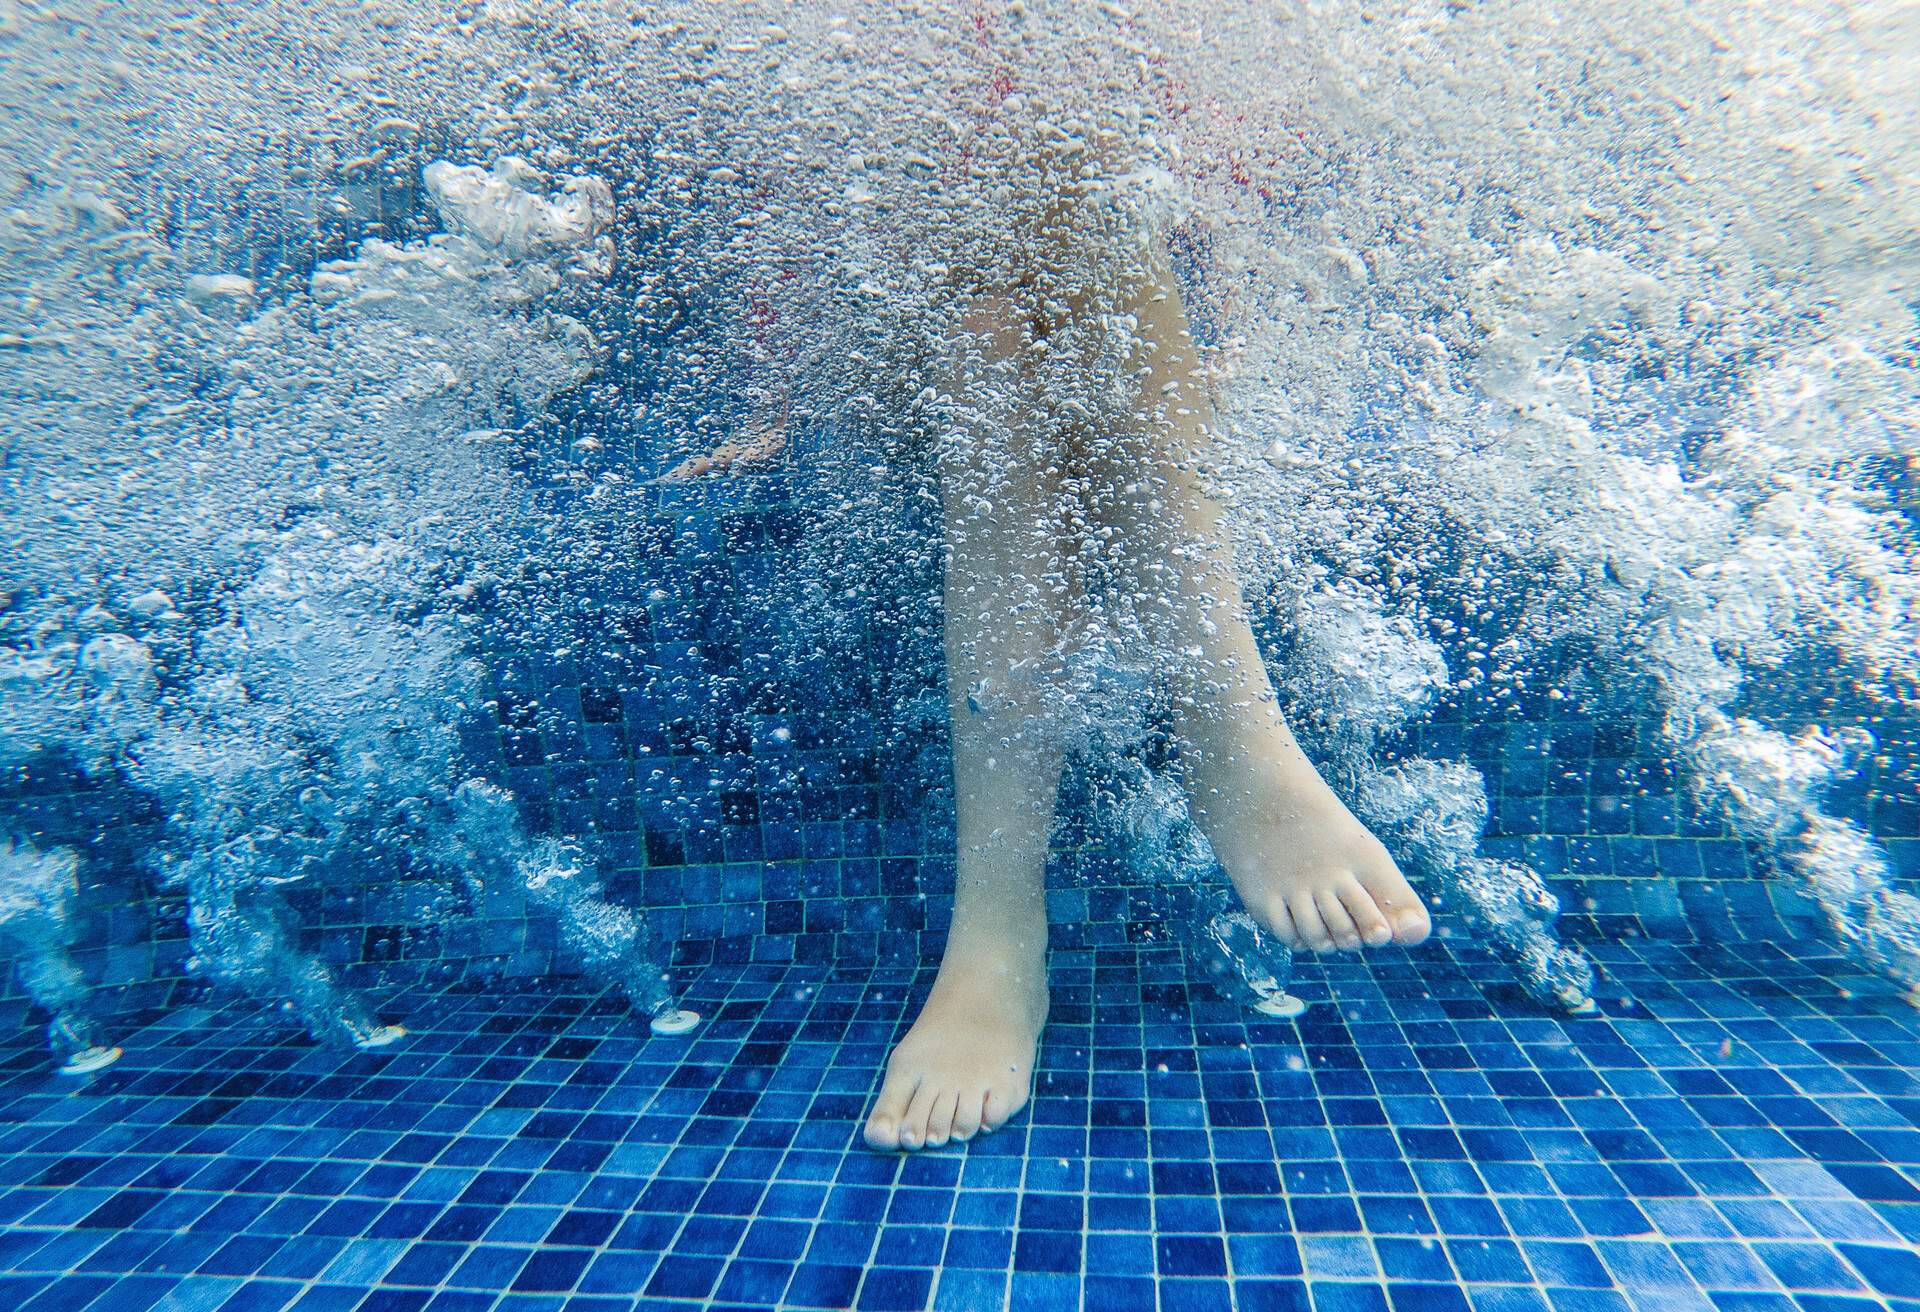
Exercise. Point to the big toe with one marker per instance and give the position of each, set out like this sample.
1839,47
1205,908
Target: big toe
1001,1106
882,1133
1398,902
1413,927
884,1122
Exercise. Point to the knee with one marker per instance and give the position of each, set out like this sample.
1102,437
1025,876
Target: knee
1036,691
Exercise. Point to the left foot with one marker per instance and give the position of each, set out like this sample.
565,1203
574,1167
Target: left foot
967,1064
1303,865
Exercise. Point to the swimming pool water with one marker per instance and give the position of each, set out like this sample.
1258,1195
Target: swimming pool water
358,648
1739,1129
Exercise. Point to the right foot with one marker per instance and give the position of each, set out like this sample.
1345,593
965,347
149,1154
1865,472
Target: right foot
1302,864
967,1063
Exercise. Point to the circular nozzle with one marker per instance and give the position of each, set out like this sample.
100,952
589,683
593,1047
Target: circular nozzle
675,1020
88,1060
1284,1005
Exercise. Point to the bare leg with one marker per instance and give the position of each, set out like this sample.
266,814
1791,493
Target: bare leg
1303,865
967,1062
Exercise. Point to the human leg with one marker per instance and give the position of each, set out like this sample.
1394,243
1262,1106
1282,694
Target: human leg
967,1062
1301,862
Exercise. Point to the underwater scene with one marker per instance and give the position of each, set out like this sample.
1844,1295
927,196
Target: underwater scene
1200,656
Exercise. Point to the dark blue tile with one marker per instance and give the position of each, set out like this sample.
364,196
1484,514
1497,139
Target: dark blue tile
1413,1260
1803,1266
1347,1296
1051,1212
1050,1251
618,1271
488,1267
1264,1254
679,1276
978,1248
1272,1295
1426,1298
1892,1271
823,1286
1108,1291
1574,1265
893,1289
754,1282
1190,1295
1190,1255
241,1255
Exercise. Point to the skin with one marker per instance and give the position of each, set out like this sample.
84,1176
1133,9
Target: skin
966,1065
1019,512
1302,864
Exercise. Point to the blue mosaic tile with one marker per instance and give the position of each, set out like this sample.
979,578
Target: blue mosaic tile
1736,1131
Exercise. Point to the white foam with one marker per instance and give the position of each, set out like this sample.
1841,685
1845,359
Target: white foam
1535,327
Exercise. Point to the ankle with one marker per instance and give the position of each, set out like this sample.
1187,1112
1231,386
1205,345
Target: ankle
1009,957
1007,947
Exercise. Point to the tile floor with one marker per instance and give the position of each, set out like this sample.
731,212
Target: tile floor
1739,1129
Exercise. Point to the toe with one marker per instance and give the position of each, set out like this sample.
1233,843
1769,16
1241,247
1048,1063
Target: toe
1366,913
994,1110
1310,929
1414,927
1278,920
883,1123
1334,913
1398,902
913,1125
966,1115
940,1123
998,1108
